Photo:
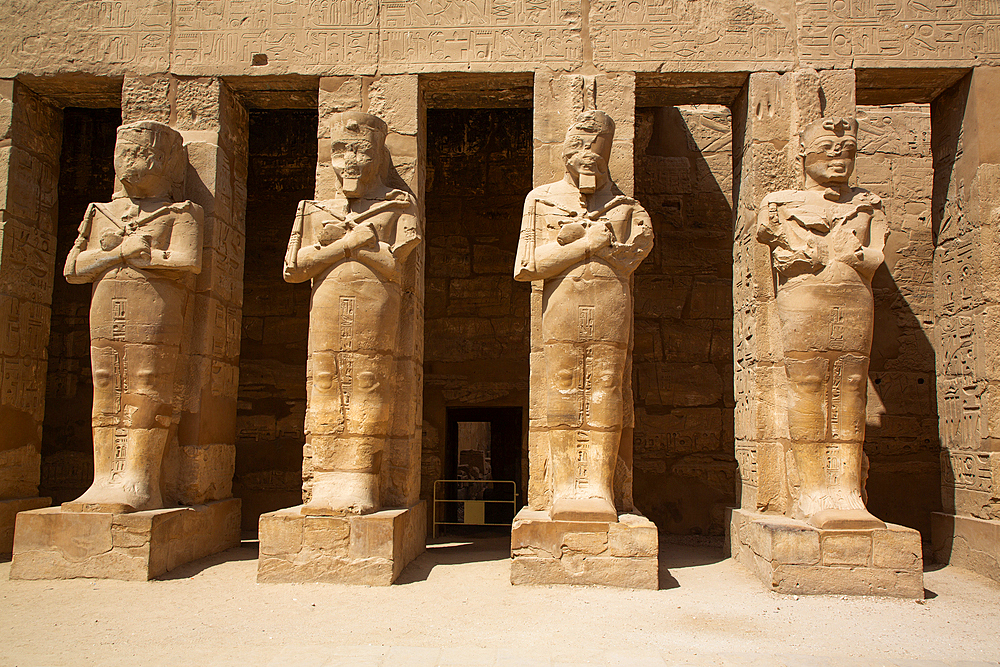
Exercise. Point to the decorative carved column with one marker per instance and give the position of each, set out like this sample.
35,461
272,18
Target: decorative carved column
580,525
966,216
778,532
193,513
30,141
360,243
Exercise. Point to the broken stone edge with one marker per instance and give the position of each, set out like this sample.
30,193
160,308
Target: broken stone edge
587,553
369,549
795,558
54,544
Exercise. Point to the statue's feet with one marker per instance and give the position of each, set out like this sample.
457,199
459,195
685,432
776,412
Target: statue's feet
338,493
120,496
584,509
848,519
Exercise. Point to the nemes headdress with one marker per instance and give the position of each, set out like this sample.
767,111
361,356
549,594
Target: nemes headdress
592,122
359,125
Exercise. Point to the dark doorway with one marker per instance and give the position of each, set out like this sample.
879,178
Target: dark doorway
484,445
271,406
86,174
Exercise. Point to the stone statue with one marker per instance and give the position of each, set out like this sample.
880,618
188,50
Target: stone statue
352,247
826,243
584,239
141,251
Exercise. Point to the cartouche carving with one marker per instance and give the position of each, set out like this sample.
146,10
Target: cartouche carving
584,239
352,247
141,251
826,244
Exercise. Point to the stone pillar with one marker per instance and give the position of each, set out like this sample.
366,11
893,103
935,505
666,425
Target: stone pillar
791,556
547,551
371,548
201,517
30,141
966,217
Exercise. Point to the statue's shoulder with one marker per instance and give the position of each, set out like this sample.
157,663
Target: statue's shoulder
186,208
783,197
546,190
865,197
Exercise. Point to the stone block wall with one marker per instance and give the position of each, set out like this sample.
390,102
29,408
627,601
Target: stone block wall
30,141
901,441
684,469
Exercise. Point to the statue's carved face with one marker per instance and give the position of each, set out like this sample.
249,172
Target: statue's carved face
829,158
588,154
137,165
355,159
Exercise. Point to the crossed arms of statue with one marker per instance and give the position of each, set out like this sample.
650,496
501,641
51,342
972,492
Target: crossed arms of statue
582,238
321,238
168,238
805,241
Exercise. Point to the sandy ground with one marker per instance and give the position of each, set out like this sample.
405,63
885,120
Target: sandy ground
458,596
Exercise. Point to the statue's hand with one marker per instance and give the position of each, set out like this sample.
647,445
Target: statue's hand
361,236
136,247
846,246
598,236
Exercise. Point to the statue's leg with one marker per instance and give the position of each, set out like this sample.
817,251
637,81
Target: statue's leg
808,381
347,459
844,455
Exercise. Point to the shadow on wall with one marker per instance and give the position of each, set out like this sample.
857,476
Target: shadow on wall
902,442
685,467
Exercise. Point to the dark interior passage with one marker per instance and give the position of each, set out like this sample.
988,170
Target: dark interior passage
86,174
272,394
476,317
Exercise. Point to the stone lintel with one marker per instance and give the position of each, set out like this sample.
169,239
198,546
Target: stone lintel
591,553
8,512
369,549
967,542
53,544
793,557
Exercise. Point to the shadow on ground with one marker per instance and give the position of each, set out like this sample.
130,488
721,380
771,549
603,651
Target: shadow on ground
248,550
455,550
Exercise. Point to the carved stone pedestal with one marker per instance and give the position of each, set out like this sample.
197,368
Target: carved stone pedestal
370,549
967,542
8,511
598,553
53,544
794,557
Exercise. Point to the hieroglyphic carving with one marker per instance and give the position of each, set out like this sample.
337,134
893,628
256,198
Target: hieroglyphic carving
967,470
905,30
480,31
668,30
314,33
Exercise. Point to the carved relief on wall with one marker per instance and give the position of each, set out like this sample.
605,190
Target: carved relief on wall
584,239
352,247
141,251
826,243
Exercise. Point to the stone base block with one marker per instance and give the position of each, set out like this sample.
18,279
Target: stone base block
597,553
370,549
794,557
966,542
8,511
53,544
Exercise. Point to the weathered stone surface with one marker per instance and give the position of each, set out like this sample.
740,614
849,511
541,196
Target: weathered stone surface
593,553
54,543
370,549
8,513
967,542
582,240
792,557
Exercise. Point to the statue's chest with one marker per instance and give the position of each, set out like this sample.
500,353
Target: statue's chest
822,218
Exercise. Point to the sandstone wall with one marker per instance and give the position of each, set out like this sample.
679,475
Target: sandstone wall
684,465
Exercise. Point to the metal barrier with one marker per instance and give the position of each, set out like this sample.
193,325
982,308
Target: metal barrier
474,511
